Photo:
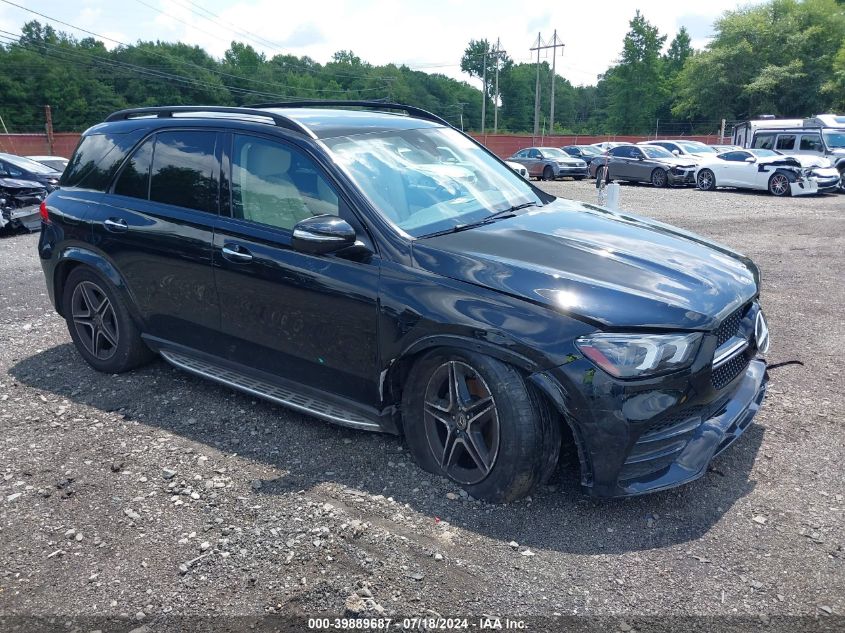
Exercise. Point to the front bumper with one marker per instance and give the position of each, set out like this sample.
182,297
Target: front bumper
28,217
681,177
582,171
636,438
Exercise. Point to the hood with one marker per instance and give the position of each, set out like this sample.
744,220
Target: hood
808,160
15,183
678,161
615,270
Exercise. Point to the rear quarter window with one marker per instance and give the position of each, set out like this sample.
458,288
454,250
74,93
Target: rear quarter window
97,158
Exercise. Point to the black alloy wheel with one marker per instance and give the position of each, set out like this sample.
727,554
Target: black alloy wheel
461,422
95,321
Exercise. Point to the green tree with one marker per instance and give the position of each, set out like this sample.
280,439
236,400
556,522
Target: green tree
636,84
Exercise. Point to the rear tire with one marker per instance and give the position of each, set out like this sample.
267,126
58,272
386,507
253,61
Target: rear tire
706,180
779,185
100,324
495,439
548,173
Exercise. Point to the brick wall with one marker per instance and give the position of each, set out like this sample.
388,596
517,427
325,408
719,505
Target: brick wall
36,144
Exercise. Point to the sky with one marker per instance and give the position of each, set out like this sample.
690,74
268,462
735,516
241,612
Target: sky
428,35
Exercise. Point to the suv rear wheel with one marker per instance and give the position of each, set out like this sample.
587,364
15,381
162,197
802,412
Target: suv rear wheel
100,324
474,420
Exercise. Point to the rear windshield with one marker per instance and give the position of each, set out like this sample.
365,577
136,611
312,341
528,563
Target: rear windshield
97,158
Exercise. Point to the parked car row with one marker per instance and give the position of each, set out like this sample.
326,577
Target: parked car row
684,162
24,183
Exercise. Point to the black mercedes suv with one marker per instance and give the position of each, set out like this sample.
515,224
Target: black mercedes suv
327,257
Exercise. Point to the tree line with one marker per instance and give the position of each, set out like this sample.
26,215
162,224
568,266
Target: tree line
783,57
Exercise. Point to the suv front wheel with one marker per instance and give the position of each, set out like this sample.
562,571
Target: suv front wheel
100,324
474,420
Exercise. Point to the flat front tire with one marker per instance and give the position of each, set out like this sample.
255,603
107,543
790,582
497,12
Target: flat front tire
473,419
100,324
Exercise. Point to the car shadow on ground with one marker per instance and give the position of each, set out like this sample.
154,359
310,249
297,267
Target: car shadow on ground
306,452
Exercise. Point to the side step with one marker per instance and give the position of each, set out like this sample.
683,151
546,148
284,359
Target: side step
274,393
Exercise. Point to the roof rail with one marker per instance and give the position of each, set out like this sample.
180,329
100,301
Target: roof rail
164,112
378,105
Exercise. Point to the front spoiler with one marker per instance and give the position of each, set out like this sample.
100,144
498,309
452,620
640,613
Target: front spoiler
712,437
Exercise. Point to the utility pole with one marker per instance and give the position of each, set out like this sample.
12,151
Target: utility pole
48,127
540,45
722,132
554,46
484,90
537,45
499,53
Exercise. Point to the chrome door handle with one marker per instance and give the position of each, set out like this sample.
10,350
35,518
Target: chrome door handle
116,225
236,253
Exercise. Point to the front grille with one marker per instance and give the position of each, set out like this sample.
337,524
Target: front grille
725,373
729,326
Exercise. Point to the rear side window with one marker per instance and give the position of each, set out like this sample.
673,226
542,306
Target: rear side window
184,170
134,179
786,141
764,141
97,158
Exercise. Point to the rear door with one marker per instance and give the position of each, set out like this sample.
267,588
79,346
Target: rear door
311,319
156,225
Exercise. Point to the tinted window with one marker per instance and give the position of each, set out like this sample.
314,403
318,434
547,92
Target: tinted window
764,141
277,185
622,151
534,153
134,179
811,143
97,158
786,141
522,153
572,151
734,156
7,169
184,171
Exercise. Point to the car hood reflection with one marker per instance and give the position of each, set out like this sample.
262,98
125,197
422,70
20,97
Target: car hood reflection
597,265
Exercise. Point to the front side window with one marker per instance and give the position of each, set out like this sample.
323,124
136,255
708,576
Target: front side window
401,173
811,143
736,157
534,153
621,152
184,170
786,141
277,185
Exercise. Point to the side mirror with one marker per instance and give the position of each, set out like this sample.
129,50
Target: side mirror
322,234
676,152
640,157
750,159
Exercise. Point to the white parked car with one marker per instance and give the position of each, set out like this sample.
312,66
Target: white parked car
761,169
520,169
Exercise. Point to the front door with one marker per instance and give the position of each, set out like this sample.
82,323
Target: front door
311,319
156,225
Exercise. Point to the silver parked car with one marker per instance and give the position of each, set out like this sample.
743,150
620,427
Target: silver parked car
644,163
550,163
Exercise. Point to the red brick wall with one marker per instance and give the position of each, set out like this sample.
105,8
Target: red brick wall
36,144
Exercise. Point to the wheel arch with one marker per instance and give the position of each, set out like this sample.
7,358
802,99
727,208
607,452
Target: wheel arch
74,257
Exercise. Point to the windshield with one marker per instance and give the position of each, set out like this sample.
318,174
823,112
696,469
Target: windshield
29,165
697,148
763,153
835,140
404,175
553,152
655,151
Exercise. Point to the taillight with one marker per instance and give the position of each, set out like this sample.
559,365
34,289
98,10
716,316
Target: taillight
42,211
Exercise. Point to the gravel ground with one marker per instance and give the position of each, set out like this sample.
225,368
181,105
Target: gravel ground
154,492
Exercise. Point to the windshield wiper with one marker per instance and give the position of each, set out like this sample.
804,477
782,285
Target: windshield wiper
498,215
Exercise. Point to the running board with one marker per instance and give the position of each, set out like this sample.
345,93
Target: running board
274,393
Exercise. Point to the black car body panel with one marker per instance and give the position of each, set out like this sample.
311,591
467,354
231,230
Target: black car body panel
349,324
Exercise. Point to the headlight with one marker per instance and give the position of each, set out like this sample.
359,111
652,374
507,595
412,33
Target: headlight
640,355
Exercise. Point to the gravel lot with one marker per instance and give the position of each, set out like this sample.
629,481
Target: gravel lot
155,493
